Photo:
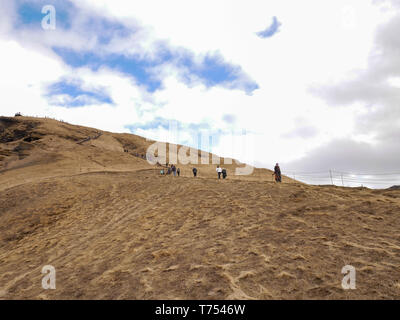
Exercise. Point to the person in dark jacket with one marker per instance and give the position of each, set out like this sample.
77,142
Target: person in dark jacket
277,173
173,169
194,172
224,174
178,171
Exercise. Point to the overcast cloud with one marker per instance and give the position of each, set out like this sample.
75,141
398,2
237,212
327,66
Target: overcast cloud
377,90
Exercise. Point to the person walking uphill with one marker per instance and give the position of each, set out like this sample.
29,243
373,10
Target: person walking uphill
194,172
219,171
277,173
224,174
173,169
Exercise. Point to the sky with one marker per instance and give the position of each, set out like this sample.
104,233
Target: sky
311,85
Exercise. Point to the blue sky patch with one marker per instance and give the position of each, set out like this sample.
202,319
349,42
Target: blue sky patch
30,13
132,66
229,118
212,70
105,29
70,94
271,30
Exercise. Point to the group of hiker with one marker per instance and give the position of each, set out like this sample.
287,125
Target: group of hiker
221,172
171,170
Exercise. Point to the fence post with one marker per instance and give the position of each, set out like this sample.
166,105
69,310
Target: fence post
342,179
330,173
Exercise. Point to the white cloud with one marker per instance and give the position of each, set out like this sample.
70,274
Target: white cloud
23,73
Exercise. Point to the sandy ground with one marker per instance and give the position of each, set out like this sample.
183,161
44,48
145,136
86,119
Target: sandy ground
113,228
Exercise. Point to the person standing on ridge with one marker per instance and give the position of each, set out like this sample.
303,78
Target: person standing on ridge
219,171
277,173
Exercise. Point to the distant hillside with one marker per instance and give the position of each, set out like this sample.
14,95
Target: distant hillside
54,147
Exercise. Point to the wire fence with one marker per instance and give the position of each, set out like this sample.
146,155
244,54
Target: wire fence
347,179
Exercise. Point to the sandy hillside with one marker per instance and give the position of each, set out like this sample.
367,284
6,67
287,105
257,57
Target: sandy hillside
115,229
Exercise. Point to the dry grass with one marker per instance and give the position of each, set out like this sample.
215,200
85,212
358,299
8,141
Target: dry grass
114,229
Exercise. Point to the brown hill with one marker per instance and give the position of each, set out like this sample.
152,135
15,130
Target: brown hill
42,148
113,227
